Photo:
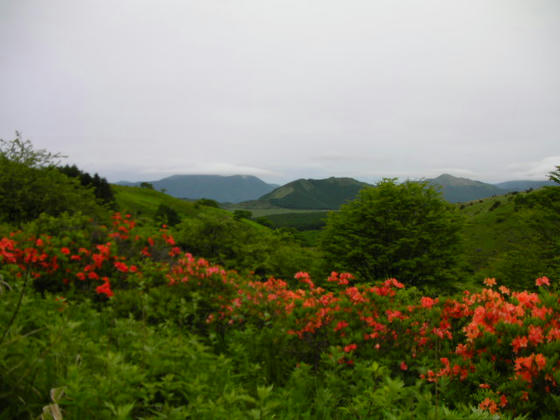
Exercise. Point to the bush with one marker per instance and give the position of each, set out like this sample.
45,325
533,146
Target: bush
242,214
30,185
166,215
394,230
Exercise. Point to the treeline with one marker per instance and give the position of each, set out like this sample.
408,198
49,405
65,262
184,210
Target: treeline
101,187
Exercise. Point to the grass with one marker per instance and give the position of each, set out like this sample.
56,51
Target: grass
145,201
493,227
273,211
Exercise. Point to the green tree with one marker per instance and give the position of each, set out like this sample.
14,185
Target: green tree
30,184
555,175
242,214
403,230
167,215
101,187
147,185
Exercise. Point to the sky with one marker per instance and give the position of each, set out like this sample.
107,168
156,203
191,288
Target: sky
286,89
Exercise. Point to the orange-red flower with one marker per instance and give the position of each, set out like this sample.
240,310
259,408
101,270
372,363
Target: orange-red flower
542,281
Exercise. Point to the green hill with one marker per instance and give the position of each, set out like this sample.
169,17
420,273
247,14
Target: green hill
145,201
455,189
317,194
510,237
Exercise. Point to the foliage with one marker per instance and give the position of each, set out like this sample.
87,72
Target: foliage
121,317
328,194
241,214
146,185
208,202
31,185
166,215
145,202
518,241
394,230
21,152
300,221
236,244
151,331
101,187
555,175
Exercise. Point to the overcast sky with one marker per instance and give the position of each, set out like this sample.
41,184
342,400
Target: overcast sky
285,89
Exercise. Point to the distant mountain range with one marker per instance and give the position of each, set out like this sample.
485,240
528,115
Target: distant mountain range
321,194
224,189
455,189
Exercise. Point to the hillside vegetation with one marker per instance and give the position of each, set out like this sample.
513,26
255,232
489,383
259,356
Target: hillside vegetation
318,194
156,308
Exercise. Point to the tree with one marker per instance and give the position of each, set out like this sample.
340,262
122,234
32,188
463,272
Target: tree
242,214
22,152
167,215
101,187
555,175
403,230
30,184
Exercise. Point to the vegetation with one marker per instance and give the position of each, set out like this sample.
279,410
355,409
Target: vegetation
394,230
30,184
301,221
326,194
119,315
101,188
517,240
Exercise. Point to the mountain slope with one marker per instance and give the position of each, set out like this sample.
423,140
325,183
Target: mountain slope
523,185
320,194
233,189
455,189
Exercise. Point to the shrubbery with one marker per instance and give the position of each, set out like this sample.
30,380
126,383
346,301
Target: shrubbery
114,318
395,230
131,304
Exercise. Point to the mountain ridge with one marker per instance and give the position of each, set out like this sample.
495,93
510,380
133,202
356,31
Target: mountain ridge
251,192
318,194
222,188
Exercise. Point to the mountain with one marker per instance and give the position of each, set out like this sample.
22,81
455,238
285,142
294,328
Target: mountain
319,194
523,185
233,189
455,189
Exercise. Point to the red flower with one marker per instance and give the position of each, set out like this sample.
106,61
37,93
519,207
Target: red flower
350,348
428,302
93,275
341,325
503,401
404,366
393,282
489,405
105,288
490,282
519,342
121,266
65,251
542,281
